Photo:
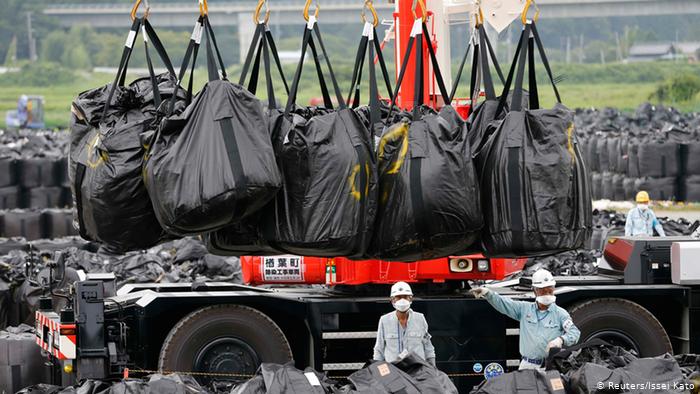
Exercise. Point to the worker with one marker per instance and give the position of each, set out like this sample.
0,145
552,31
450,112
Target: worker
404,330
543,324
641,220
23,113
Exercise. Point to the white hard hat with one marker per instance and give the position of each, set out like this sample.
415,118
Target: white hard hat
401,288
543,278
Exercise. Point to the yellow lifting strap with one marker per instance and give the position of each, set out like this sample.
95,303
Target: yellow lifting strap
203,8
529,3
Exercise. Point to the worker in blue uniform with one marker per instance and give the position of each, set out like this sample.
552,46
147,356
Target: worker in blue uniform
404,330
641,220
543,324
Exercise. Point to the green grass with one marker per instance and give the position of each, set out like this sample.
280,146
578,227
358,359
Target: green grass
624,96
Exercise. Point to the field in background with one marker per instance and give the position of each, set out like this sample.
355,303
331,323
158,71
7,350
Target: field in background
584,86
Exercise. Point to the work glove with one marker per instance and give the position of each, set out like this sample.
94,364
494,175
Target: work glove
479,292
555,343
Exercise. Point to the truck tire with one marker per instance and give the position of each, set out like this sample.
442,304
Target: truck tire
223,339
621,322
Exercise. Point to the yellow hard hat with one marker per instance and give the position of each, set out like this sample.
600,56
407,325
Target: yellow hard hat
642,197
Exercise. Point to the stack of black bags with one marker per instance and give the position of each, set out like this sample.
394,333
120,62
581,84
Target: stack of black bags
152,161
655,149
33,169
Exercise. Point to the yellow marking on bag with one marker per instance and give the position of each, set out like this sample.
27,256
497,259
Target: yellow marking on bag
101,156
353,190
570,142
402,133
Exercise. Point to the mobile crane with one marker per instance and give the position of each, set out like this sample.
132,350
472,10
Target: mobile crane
323,313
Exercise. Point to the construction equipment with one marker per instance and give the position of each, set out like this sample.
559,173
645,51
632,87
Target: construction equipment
223,331
28,115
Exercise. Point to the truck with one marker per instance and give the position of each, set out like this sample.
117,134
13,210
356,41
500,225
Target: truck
643,298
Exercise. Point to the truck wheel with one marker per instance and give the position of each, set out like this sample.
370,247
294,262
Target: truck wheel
223,339
623,323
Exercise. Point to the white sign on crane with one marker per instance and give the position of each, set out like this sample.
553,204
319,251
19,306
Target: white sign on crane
501,13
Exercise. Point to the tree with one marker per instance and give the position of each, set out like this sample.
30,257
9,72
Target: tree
54,46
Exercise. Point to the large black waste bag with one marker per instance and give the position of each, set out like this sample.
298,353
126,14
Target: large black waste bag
20,364
597,185
691,188
526,381
283,379
8,170
618,185
428,378
112,203
650,375
630,191
603,154
658,158
535,193
691,158
246,237
57,223
382,377
614,154
214,164
9,197
633,158
483,113
22,223
429,196
663,189
44,197
37,171
607,186
327,203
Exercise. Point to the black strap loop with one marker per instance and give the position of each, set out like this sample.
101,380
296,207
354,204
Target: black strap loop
123,64
309,42
436,66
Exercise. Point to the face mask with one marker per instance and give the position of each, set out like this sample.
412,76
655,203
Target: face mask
402,305
546,300
643,207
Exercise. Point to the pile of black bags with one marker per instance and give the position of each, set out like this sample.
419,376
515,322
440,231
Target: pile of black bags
410,376
584,261
598,367
152,161
33,224
24,268
34,169
655,149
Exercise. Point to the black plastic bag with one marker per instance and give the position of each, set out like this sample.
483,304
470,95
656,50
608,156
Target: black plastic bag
429,197
526,381
214,164
285,379
482,113
535,185
112,203
328,200
246,237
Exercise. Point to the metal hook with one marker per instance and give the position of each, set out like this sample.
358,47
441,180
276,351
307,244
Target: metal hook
424,17
306,10
256,14
203,8
136,7
368,4
479,14
523,17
